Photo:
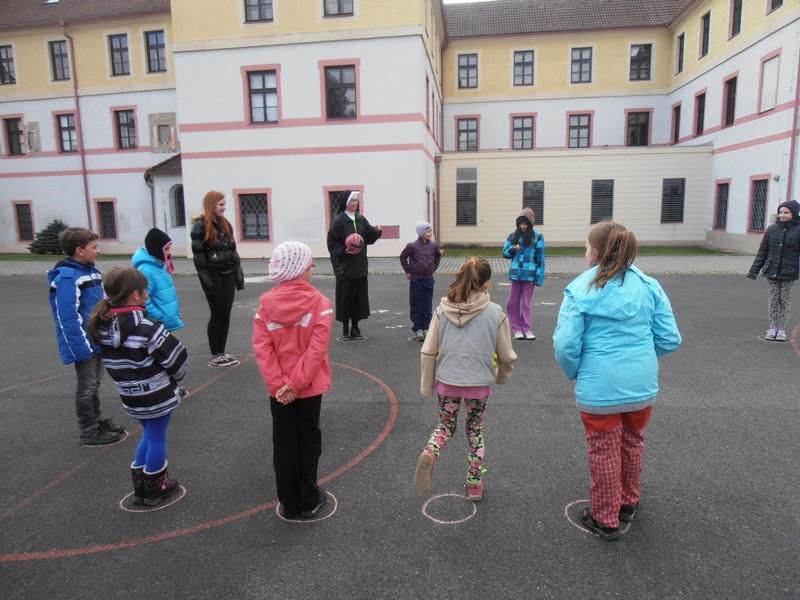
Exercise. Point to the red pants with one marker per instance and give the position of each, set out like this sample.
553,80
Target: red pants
616,445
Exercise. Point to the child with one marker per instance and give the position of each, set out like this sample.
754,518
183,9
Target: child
779,255
76,286
614,323
146,362
155,261
525,248
468,348
291,333
419,260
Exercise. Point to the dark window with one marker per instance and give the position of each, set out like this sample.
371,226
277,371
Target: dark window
7,72
467,196
67,134
676,124
758,204
467,135
156,51
118,46
257,10
640,61
341,92
24,222
523,133
602,200
730,102
14,137
467,70
773,4
338,7
107,218
263,96
59,60
126,129
673,195
255,217
736,17
699,114
179,205
680,53
581,65
721,215
523,68
337,202
580,127
638,128
705,33
533,198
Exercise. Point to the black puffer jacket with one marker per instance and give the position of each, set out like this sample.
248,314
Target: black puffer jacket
222,258
779,253
350,266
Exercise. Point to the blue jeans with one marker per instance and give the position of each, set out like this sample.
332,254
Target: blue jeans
152,449
420,300
87,391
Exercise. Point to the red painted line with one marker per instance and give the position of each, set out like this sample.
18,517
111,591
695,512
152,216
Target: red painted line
795,341
19,385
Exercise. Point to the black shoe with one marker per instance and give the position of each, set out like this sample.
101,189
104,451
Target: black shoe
626,512
345,331
310,514
610,534
355,333
109,425
98,437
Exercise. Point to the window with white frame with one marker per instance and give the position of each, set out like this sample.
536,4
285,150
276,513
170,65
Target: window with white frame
466,196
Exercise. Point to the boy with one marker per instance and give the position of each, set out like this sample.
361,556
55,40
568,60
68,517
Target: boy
291,333
419,260
76,286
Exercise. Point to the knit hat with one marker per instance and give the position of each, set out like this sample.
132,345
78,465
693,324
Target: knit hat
423,227
792,205
289,260
526,215
154,242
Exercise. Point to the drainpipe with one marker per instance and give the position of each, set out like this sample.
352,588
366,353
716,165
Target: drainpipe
438,202
152,187
795,130
79,124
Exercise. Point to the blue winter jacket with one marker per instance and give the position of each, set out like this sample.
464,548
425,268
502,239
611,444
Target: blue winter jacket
527,263
75,289
609,340
162,303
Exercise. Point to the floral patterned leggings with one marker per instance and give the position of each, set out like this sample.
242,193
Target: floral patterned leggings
780,291
448,415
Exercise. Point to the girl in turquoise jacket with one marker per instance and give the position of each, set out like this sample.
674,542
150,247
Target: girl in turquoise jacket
155,261
525,249
614,323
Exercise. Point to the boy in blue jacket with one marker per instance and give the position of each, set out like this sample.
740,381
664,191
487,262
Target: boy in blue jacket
76,286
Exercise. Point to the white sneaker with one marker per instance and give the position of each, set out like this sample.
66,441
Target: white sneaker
519,335
529,335
419,335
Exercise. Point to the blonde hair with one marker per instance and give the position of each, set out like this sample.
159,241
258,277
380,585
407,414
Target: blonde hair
616,249
210,201
118,284
471,278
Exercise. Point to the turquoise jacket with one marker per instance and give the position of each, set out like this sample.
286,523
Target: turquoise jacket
610,340
162,303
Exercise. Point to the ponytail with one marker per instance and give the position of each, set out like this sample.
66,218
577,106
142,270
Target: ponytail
100,320
118,285
471,278
616,249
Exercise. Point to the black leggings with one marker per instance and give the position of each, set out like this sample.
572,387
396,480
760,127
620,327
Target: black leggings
220,301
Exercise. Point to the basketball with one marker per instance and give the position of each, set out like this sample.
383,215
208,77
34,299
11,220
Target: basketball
354,243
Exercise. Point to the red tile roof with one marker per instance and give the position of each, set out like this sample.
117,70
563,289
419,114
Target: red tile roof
171,166
15,14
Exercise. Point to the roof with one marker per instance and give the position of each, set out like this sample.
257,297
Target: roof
514,17
171,166
15,14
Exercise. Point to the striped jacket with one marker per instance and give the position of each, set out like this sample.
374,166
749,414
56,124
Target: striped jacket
145,361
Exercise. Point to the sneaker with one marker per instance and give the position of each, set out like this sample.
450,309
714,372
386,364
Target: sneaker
109,425
610,534
182,392
355,333
233,359
98,437
310,514
423,474
221,361
475,491
770,335
419,335
780,335
627,512
424,334
519,335
529,335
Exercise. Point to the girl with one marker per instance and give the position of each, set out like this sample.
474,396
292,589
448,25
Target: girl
467,348
779,256
525,248
613,324
155,261
220,271
146,362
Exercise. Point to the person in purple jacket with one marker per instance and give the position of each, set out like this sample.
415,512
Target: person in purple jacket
419,260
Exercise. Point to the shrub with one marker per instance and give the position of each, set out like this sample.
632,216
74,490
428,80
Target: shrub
47,239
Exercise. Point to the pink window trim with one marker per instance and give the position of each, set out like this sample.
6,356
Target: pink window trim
765,58
340,188
753,178
649,125
343,62
14,204
722,113
456,119
246,92
239,226
61,113
114,110
591,127
694,113
511,118
717,183
25,152
97,202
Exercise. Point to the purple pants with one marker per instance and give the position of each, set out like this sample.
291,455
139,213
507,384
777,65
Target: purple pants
519,306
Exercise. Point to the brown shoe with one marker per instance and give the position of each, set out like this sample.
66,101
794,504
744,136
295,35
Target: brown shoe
423,474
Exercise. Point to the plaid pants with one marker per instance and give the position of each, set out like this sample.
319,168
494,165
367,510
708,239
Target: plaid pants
473,425
616,445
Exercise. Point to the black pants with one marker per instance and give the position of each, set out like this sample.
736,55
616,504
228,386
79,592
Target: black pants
297,446
220,301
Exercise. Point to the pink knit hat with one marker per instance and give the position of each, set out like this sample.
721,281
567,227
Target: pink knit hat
289,260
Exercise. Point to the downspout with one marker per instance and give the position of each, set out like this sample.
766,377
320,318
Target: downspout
79,120
795,129
152,187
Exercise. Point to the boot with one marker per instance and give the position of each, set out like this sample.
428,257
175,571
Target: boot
137,475
158,486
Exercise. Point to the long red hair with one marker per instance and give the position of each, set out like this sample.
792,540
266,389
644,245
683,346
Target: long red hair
210,202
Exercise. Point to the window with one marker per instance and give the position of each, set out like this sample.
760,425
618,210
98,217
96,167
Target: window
67,133
638,128
729,115
467,196
257,10
676,124
337,202
118,47
721,209
468,135
736,18
156,51
681,46
673,195
126,129
581,65
13,133
773,4
178,208
602,200
7,73
768,95
533,198
580,127
340,92
523,67
640,61
106,220
255,216
263,96
467,71
338,7
705,33
758,204
699,114
24,218
522,132
59,60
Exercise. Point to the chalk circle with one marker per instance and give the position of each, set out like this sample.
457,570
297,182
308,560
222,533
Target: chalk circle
454,522
787,341
623,529
414,338
130,507
315,519
347,338
122,438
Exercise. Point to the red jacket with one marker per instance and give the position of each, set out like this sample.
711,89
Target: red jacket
291,332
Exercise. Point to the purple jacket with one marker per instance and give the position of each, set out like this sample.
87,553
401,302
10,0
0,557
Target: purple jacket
420,259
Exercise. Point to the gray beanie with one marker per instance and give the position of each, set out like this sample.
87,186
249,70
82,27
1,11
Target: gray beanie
423,227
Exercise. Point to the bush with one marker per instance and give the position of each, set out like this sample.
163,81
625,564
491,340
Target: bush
47,239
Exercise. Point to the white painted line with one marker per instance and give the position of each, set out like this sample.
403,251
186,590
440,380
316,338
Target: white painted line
457,522
148,509
622,530
315,519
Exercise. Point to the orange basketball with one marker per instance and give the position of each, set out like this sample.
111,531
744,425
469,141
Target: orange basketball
354,243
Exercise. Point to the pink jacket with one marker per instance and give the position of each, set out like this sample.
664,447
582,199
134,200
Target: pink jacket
291,332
